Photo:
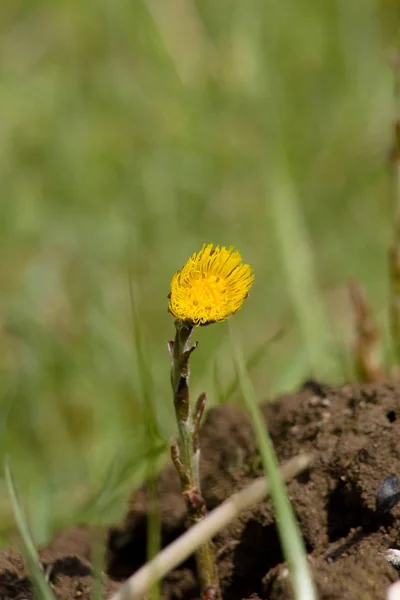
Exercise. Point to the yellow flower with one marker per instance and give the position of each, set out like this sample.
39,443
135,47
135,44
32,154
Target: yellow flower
210,287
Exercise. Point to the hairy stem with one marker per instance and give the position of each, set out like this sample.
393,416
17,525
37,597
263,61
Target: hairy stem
185,452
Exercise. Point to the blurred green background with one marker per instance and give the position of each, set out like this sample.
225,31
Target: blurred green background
132,133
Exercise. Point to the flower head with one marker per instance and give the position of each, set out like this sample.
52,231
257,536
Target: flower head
211,286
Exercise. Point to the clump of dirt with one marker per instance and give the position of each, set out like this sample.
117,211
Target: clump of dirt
354,433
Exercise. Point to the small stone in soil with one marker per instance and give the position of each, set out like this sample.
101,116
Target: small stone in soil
388,494
393,557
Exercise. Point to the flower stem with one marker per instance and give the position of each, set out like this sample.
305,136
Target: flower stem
185,452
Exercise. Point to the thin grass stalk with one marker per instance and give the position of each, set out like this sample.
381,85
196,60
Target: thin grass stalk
152,436
40,584
97,564
255,358
299,268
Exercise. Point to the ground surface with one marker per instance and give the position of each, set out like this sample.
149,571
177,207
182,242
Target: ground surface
354,431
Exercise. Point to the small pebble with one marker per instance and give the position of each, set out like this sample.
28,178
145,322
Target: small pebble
393,557
314,401
393,592
388,494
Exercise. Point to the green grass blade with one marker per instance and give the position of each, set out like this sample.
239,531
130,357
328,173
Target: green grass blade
298,263
42,588
252,362
152,438
125,474
98,560
219,391
288,529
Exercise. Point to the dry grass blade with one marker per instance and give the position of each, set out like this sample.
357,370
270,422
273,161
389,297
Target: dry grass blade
138,585
394,274
367,337
394,251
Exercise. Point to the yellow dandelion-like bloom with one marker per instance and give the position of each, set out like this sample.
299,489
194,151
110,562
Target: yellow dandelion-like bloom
210,287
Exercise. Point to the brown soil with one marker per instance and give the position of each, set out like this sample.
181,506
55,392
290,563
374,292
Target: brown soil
354,432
